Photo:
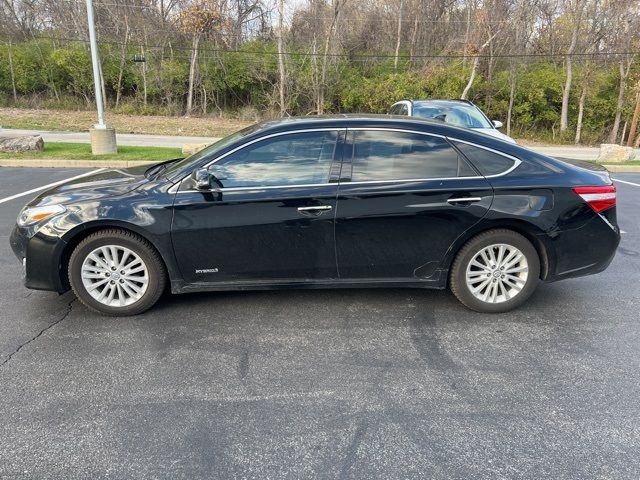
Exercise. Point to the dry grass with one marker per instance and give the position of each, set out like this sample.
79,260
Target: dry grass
81,121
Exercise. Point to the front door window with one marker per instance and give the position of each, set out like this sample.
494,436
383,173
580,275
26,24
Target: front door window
293,159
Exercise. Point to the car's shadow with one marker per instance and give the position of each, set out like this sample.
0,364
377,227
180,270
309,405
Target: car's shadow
386,301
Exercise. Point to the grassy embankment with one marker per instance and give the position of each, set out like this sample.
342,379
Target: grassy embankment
82,151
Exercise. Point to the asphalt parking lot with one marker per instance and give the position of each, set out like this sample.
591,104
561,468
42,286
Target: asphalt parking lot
328,383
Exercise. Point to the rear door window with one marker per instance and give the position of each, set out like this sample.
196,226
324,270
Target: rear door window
381,155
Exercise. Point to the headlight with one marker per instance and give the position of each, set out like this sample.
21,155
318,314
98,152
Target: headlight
31,215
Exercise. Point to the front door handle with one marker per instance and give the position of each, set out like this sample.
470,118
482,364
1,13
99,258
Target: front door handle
464,200
314,211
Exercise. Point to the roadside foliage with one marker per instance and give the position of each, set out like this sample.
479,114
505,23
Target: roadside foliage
552,71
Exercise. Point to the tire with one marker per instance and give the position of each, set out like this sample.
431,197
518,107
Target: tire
137,281
484,276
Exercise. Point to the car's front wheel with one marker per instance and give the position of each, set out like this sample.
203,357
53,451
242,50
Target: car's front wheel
495,271
116,272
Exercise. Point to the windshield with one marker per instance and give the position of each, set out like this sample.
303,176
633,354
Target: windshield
177,168
460,115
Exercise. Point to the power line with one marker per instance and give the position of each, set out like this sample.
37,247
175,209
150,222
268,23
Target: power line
353,56
117,31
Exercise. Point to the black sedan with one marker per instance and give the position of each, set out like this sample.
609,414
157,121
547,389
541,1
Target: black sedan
345,201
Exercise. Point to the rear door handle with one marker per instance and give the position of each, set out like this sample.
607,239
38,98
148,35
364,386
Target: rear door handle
315,211
464,200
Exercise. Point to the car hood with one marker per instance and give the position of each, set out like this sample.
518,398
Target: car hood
495,133
101,184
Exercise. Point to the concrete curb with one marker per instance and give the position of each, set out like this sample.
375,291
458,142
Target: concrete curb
55,163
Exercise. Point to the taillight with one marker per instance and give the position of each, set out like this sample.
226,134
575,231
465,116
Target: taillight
598,198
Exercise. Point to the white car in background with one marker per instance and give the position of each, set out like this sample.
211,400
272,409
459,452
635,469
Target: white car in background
461,113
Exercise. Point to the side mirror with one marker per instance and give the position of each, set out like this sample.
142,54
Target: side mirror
202,178
497,123
205,180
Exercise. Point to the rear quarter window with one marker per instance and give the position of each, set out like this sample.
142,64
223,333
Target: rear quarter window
487,162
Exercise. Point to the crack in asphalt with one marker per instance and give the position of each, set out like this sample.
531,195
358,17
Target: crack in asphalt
40,333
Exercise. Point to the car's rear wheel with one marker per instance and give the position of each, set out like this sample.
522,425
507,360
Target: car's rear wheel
495,271
116,272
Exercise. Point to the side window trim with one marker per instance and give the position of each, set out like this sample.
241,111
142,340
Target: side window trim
335,171
344,148
176,187
346,172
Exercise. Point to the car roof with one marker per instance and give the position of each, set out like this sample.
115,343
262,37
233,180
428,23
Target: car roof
429,125
442,102
344,121
433,126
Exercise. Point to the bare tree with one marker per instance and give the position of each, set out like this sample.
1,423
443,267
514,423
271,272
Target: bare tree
470,6
593,36
624,67
399,37
336,6
581,101
623,24
198,19
414,31
123,59
633,129
576,8
12,73
518,38
474,66
166,8
23,14
281,69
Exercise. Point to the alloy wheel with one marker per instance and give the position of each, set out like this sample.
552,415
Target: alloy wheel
114,275
497,273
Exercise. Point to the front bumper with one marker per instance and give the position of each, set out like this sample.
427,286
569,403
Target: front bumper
41,257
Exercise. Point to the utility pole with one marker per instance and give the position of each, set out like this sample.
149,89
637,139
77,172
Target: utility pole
103,138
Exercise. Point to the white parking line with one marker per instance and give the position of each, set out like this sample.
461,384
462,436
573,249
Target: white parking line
33,190
628,183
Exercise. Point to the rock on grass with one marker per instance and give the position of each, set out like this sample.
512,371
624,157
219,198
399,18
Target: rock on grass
31,143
